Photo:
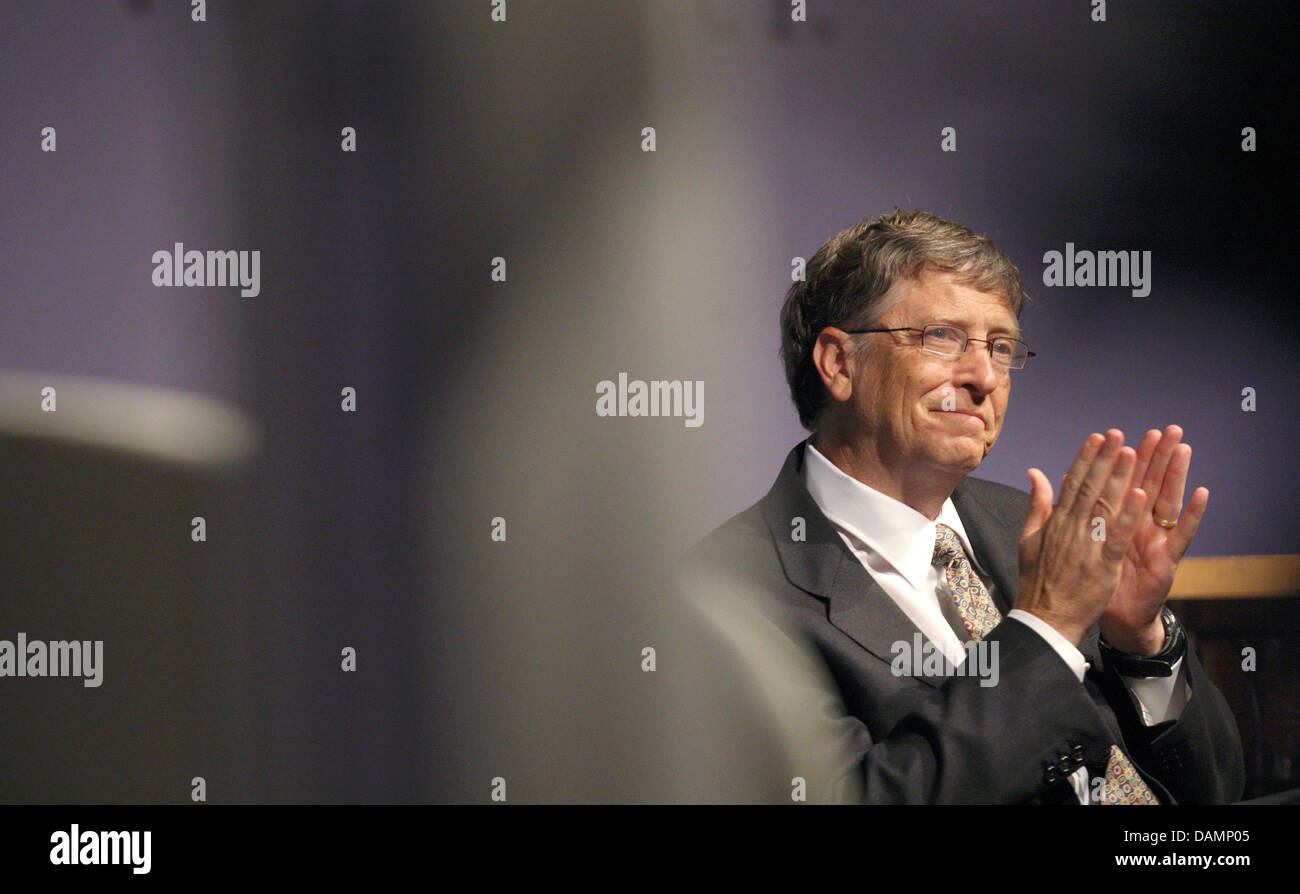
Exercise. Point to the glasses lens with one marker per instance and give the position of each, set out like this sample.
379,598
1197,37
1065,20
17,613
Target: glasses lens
944,339
1009,352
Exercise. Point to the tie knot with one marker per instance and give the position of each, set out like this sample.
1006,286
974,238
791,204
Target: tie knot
947,546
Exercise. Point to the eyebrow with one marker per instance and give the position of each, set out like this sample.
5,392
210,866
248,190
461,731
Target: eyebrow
1013,330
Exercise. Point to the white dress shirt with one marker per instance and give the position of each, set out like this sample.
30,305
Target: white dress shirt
895,544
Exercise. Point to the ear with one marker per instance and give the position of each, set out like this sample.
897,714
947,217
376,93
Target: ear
832,361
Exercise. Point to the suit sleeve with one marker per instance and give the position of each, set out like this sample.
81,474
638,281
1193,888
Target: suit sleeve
1198,756
1008,743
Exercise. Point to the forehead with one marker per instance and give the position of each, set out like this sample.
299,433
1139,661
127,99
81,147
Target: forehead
936,297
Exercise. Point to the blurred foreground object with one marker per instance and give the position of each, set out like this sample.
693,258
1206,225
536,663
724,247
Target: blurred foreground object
763,720
95,545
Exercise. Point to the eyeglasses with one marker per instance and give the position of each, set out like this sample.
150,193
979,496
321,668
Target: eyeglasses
940,338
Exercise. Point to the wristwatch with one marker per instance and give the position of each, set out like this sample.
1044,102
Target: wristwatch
1160,664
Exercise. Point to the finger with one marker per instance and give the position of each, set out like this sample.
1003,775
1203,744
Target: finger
1085,499
1126,524
1169,502
1181,537
1078,470
1155,473
1121,479
1146,449
1040,502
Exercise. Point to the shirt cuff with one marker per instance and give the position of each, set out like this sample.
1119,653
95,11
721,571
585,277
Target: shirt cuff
1080,781
1160,698
1066,649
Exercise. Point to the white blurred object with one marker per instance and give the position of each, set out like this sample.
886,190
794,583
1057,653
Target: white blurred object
178,427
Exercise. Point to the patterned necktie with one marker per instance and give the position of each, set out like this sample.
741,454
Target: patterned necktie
1123,784
978,613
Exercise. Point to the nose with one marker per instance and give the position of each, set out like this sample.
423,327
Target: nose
975,369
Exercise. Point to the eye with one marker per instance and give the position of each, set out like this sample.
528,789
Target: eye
1004,347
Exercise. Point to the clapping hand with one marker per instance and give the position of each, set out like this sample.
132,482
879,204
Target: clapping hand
1131,622
1108,551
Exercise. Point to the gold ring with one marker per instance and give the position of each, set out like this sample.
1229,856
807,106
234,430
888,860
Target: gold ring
1164,522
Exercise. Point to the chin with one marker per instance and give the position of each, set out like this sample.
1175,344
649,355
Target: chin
962,463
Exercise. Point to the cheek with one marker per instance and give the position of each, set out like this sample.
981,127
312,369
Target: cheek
933,390
889,391
1001,395
1000,412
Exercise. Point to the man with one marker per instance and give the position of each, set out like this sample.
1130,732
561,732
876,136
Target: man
900,349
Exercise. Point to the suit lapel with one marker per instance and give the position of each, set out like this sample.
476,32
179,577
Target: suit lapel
822,565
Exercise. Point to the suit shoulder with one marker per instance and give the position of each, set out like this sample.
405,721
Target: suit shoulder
736,564
734,540
993,490
1009,503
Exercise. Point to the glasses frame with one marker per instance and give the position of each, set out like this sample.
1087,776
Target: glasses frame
967,340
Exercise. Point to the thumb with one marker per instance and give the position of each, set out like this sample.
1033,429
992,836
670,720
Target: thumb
1040,502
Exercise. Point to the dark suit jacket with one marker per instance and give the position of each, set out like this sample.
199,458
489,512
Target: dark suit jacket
950,740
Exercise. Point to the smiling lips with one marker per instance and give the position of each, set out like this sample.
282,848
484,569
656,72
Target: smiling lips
974,416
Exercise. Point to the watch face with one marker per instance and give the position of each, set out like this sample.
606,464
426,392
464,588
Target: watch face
1172,627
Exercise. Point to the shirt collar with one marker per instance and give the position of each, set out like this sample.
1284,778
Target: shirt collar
895,531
